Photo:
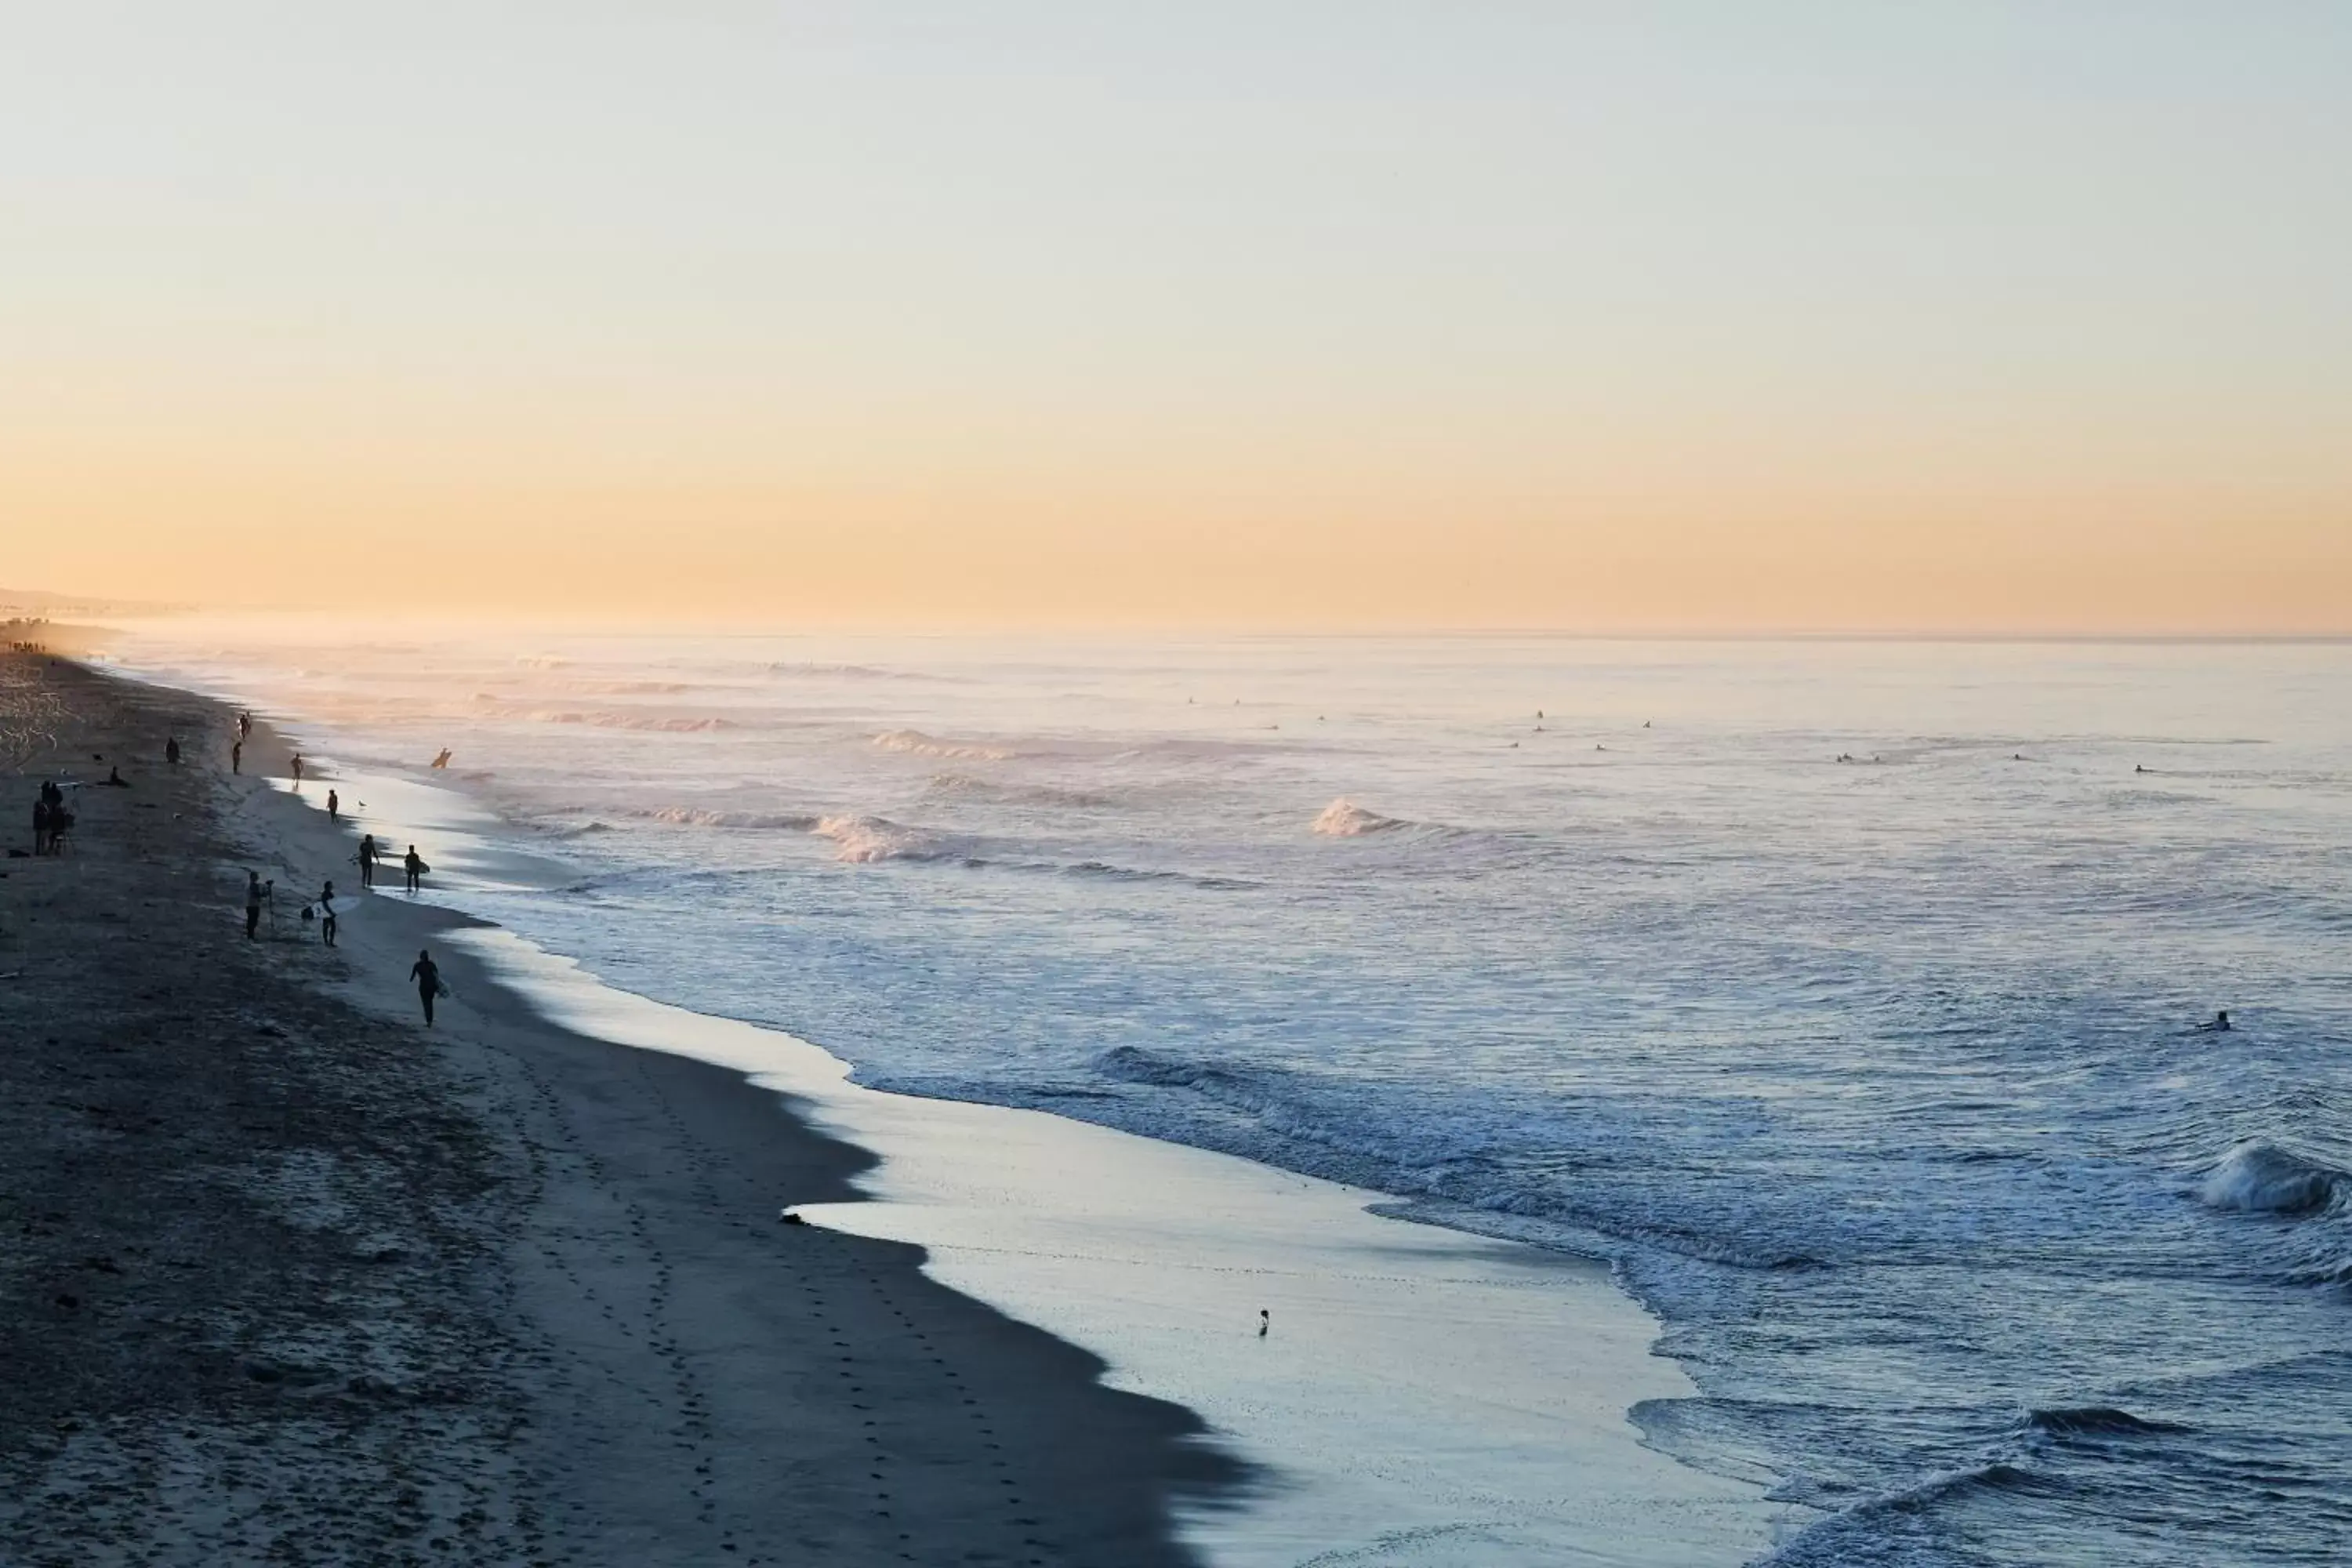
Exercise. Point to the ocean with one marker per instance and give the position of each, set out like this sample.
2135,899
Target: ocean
1840,996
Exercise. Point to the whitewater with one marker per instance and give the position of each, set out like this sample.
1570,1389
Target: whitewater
1840,996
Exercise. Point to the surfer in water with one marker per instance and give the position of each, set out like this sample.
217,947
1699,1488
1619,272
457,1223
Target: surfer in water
2219,1025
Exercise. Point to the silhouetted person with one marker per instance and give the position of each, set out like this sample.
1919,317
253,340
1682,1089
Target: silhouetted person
334,806
237,756
114,778
2219,1025
171,751
367,861
327,914
243,725
297,767
49,825
252,905
415,867
428,975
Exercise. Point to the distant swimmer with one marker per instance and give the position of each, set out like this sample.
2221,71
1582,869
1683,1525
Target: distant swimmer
2219,1025
1265,1322
2137,768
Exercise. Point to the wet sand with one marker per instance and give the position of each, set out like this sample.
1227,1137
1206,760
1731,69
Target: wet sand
288,1277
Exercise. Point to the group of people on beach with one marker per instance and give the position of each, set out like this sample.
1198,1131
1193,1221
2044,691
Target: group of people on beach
425,973
371,855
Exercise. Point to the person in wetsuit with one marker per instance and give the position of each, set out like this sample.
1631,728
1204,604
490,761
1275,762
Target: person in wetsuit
428,975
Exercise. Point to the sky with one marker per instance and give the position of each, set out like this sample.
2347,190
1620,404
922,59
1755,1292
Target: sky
1760,315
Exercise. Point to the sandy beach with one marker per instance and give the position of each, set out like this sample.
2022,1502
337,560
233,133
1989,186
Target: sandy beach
290,1279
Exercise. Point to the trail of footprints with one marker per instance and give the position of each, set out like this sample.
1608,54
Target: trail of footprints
693,1433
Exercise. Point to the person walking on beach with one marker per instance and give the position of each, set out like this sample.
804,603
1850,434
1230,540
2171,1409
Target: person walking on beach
334,806
237,756
243,725
428,975
367,861
327,914
171,751
297,768
252,905
414,863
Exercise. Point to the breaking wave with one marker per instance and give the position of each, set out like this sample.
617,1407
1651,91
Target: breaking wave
698,817
2089,1420
1018,795
866,839
921,745
1343,818
2263,1178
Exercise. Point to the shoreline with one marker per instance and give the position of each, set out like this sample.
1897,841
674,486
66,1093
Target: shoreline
645,1366
1516,1426
1509,1439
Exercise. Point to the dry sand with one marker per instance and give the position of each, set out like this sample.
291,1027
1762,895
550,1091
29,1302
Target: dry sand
286,1279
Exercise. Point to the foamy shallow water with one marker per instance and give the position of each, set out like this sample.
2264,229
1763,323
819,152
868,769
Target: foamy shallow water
1872,1076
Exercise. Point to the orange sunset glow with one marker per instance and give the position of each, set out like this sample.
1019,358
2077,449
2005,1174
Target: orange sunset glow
1960,319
